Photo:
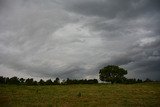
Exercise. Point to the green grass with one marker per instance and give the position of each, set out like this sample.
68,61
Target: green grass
98,95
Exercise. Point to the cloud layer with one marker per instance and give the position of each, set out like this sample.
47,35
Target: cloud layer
75,38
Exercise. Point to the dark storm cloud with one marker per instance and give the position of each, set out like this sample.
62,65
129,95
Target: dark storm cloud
75,38
127,9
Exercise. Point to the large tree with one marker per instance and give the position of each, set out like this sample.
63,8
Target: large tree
112,73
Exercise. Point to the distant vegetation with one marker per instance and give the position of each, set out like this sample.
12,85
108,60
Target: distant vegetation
30,81
109,74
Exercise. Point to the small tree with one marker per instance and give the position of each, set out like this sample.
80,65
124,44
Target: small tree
2,80
22,80
57,81
41,82
29,81
14,80
148,80
49,82
113,74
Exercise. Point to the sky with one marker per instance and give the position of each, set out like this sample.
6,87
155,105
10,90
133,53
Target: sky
76,38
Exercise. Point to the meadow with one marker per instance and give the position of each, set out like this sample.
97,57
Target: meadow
93,95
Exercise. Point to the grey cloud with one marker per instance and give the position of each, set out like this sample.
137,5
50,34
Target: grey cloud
98,8
116,18
112,8
74,39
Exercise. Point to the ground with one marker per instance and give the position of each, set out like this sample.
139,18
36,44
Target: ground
96,95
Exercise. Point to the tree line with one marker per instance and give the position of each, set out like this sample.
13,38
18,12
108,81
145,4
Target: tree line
31,81
109,74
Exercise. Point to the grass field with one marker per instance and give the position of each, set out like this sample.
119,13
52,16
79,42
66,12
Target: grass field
98,95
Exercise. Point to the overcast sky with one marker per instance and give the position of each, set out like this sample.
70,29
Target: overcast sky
76,38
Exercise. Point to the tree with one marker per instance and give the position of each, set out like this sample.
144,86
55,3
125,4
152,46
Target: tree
41,82
14,80
7,80
22,80
139,81
29,81
34,83
2,80
56,81
49,82
148,80
112,73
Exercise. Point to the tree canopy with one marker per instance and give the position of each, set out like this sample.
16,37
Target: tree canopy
112,73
